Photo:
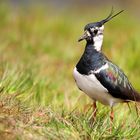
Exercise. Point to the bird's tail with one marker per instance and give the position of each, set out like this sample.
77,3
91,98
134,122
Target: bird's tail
136,98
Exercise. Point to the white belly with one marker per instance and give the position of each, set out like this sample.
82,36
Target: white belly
93,88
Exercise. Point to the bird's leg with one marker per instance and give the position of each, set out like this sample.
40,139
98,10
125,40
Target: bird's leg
111,118
112,115
94,110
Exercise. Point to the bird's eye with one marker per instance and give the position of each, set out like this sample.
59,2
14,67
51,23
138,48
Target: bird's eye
95,31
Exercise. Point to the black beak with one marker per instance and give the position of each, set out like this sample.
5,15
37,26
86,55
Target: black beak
110,16
84,36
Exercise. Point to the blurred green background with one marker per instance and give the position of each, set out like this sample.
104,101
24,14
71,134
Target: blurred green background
39,48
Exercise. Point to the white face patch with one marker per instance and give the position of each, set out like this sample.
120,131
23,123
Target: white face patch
92,29
87,32
102,28
98,39
97,36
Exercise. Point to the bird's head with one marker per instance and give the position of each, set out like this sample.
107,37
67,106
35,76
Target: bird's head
93,32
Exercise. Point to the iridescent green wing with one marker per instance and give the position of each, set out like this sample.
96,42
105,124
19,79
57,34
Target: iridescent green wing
116,82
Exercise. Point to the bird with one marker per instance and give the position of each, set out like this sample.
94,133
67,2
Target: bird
97,76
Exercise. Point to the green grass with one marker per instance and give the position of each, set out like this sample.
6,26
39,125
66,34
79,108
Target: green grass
38,96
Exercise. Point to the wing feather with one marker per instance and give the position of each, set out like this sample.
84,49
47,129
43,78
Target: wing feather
117,83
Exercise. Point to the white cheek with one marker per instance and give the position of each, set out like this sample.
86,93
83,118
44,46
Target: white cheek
98,40
102,28
88,33
92,29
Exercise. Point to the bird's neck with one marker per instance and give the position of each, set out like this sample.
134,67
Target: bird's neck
96,42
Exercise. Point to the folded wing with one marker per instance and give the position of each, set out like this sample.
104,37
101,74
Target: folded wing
117,83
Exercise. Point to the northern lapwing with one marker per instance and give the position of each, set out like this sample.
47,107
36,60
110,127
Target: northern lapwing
97,76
